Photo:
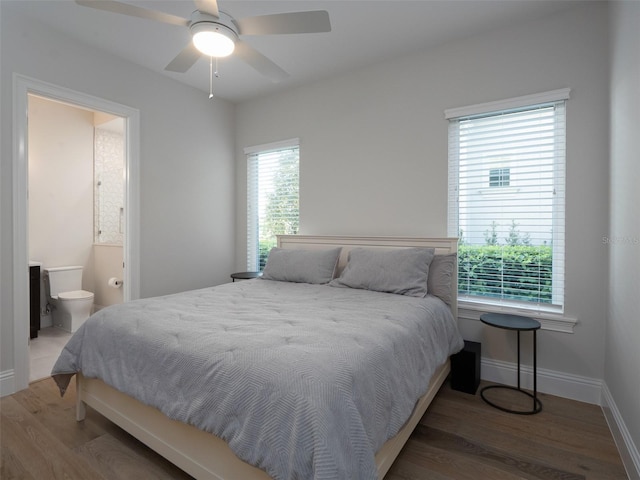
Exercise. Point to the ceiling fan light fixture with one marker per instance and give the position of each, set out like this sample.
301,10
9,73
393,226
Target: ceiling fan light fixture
213,39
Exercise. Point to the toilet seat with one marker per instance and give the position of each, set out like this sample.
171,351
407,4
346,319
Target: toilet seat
75,295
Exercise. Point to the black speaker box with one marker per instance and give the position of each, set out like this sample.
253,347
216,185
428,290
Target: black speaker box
465,368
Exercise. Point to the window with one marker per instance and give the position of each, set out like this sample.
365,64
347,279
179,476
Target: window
272,197
499,177
511,228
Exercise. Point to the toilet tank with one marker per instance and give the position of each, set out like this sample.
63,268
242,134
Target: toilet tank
64,279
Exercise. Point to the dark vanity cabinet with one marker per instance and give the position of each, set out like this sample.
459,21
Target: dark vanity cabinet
34,300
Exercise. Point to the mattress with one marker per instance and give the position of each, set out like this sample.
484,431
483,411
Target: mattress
303,381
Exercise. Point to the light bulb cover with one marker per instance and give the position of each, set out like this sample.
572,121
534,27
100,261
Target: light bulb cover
213,39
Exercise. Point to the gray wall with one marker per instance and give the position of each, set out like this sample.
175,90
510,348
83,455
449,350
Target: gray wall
186,161
373,149
622,372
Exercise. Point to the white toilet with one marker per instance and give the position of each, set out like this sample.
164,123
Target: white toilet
71,305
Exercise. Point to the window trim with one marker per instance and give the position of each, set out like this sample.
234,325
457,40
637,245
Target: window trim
267,147
551,318
252,213
510,103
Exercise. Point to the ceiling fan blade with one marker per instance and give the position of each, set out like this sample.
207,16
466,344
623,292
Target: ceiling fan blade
258,61
208,6
133,11
280,23
184,60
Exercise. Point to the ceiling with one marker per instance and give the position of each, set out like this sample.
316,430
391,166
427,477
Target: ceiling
363,32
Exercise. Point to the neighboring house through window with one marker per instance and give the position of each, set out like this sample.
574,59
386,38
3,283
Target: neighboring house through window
272,197
499,177
506,200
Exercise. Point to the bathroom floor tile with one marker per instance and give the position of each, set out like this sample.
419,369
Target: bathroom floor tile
44,351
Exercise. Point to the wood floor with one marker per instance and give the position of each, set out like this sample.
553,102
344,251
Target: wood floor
460,437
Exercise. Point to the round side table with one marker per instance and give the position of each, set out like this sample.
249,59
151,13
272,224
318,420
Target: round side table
518,323
244,275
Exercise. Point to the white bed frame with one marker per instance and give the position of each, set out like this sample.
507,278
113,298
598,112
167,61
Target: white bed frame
205,456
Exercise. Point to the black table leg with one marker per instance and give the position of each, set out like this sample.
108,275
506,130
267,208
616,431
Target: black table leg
518,332
535,373
537,404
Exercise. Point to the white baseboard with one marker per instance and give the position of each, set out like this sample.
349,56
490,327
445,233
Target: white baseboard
7,383
628,450
575,387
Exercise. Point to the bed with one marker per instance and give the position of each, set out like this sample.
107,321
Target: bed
305,386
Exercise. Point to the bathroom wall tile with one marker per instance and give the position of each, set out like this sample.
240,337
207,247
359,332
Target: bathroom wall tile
109,186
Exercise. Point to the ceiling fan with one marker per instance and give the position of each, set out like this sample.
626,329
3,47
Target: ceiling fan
216,34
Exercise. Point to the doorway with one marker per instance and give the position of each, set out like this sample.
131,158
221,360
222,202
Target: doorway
23,87
75,211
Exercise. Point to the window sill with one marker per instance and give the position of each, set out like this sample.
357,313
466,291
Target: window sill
556,322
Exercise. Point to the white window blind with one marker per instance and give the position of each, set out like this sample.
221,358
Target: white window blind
506,203
272,197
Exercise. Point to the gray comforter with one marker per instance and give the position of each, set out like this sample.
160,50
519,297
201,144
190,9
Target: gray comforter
304,381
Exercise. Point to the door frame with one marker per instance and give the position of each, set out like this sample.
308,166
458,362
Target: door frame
23,86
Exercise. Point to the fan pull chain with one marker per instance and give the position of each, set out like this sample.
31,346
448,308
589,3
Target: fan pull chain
211,76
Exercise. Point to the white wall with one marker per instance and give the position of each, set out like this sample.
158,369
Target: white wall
186,161
373,155
622,372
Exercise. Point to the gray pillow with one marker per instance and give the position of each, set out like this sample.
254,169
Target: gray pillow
441,273
302,266
402,271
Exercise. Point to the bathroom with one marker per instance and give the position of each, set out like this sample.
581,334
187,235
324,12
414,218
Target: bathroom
76,213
